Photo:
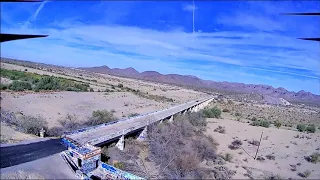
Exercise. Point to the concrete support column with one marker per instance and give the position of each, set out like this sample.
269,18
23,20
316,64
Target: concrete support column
171,119
120,143
143,135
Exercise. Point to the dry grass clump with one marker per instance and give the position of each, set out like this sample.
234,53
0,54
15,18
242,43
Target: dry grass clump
236,144
304,174
254,142
314,158
220,129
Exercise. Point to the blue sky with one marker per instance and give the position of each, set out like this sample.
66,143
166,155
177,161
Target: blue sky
246,41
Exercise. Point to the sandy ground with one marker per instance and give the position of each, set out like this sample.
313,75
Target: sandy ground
287,149
56,105
44,167
10,135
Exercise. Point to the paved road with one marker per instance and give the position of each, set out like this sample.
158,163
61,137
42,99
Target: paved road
104,133
18,154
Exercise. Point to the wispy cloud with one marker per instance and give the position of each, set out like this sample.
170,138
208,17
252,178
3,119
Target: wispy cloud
263,53
35,14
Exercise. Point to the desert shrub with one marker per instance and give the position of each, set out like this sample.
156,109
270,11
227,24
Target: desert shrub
133,114
204,149
55,131
31,125
304,174
119,165
301,127
237,114
178,149
254,118
260,158
270,157
71,123
196,118
100,117
311,128
277,124
230,102
225,110
48,83
3,87
91,90
220,129
20,86
212,112
120,85
228,157
314,158
263,123
254,142
236,144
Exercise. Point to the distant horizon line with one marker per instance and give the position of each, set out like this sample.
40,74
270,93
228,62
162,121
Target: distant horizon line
167,74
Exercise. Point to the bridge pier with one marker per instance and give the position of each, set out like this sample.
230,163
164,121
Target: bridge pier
171,119
120,143
143,135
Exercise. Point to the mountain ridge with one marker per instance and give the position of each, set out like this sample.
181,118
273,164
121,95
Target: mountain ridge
191,80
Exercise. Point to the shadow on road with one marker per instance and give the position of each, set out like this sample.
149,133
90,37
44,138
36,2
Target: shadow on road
19,154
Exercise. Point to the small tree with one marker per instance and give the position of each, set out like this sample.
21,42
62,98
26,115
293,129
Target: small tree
265,123
120,85
278,124
301,127
213,112
311,128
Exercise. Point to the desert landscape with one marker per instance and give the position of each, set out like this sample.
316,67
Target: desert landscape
219,142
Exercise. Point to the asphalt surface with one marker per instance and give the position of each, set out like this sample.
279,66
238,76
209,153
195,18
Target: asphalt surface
18,154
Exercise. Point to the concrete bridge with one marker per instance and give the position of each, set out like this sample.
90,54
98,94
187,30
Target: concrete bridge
108,132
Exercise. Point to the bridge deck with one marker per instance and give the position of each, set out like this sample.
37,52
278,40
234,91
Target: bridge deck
108,132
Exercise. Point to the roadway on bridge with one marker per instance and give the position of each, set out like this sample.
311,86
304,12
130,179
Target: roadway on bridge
115,130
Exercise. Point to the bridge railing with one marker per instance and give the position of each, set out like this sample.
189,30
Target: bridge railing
135,117
139,125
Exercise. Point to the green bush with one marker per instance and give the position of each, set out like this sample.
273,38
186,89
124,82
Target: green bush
277,124
20,86
3,87
212,112
263,123
100,117
133,114
31,125
311,128
301,127
254,118
119,165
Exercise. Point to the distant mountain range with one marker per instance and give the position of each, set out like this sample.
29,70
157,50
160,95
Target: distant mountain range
188,80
